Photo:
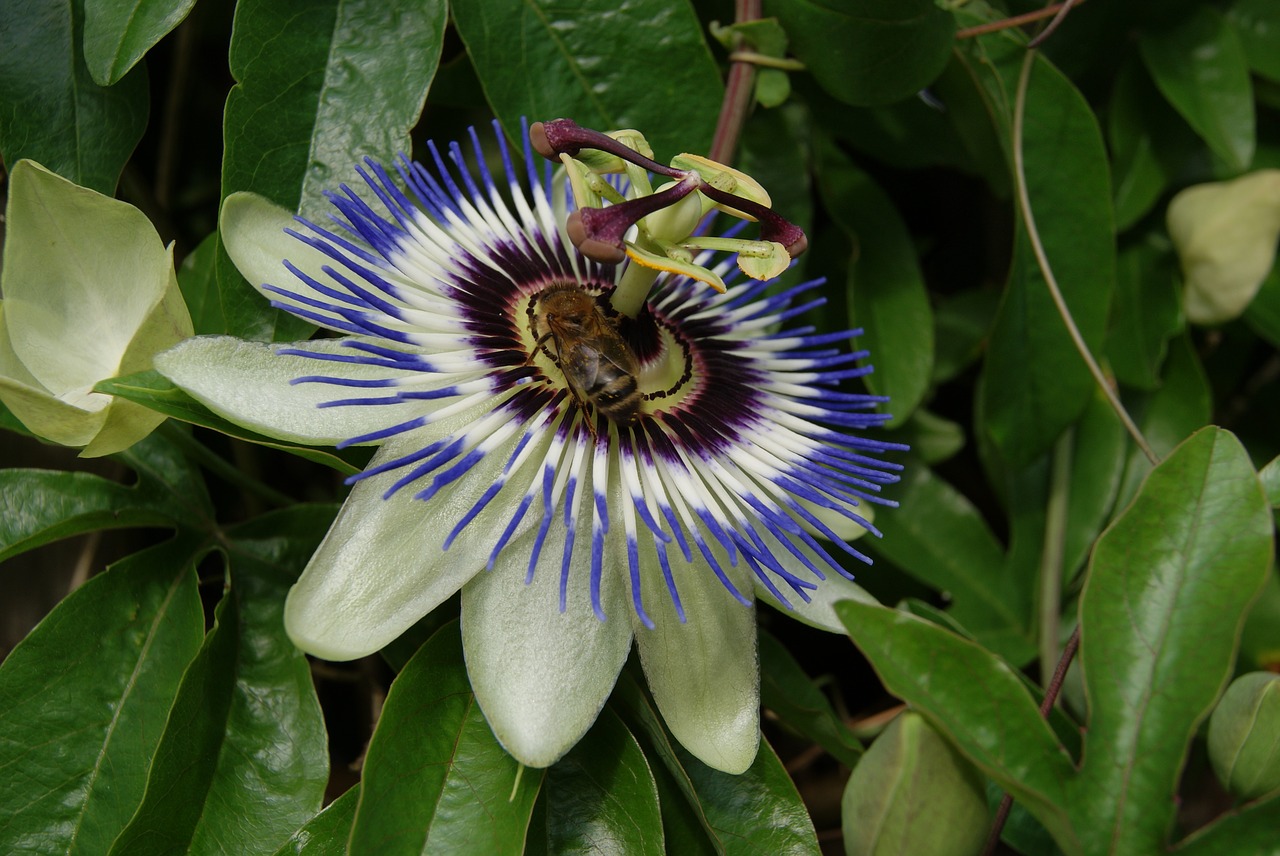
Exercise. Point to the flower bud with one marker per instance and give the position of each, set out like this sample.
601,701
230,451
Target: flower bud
1225,234
1244,735
913,793
89,293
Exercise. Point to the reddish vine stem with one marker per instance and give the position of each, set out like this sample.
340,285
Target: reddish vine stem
1051,693
1054,10
739,89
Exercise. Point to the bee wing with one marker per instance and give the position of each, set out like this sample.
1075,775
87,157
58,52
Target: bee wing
585,361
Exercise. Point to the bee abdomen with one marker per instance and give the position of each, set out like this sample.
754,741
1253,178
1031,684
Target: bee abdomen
618,398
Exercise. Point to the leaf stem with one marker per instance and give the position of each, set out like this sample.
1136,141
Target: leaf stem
1051,282
1054,10
1055,535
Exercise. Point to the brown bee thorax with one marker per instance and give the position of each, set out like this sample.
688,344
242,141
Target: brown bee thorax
573,329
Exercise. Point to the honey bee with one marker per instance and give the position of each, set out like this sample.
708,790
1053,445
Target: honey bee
596,361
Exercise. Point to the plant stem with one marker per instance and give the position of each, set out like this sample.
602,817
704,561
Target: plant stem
1042,260
739,89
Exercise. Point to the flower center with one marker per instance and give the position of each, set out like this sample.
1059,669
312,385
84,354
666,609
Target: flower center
619,367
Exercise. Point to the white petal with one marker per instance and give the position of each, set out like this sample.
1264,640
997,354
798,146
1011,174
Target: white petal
703,673
818,611
542,675
382,566
75,296
253,231
250,384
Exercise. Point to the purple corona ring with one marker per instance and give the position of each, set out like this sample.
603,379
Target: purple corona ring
594,453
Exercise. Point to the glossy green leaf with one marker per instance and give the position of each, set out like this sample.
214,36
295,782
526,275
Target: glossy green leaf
683,826
887,296
325,834
1182,404
799,705
83,701
962,324
1034,382
931,437
541,60
219,782
756,812
1257,24
973,698
118,33
317,91
1249,832
866,52
40,506
435,778
1270,475
51,110
155,391
1098,455
1199,65
1263,313
601,797
1139,174
197,277
1145,315
945,543
1160,615
911,772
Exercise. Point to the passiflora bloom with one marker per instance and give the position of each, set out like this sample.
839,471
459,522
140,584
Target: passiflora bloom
587,476
1225,233
89,293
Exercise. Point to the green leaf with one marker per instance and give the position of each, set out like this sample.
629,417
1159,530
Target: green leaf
962,324
51,111
945,543
1160,616
117,33
219,782
435,779
1200,67
1034,382
83,701
41,506
1133,133
887,296
541,60
601,797
866,52
789,693
155,391
758,811
197,277
1098,456
976,700
1249,832
317,90
1257,24
325,834
1182,404
1263,313
1145,316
